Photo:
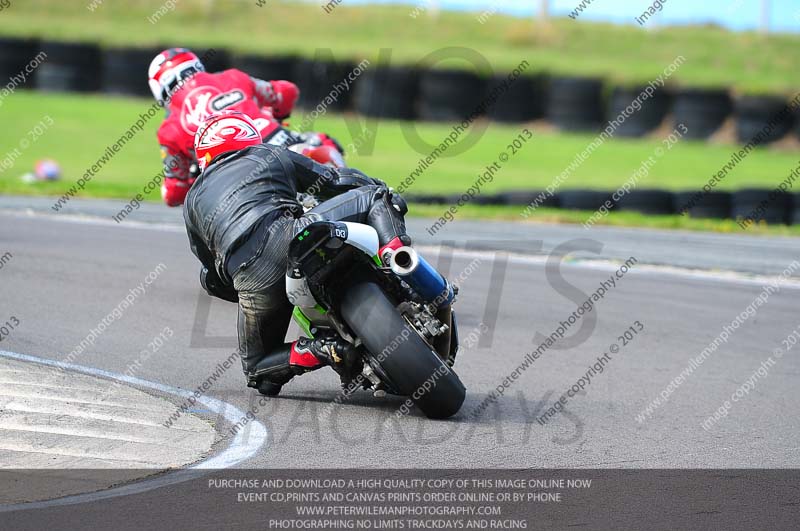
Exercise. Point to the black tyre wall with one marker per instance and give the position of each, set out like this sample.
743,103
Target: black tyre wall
647,118
522,101
450,95
575,104
795,215
70,67
704,205
777,206
125,70
15,55
387,92
701,111
215,61
647,202
266,68
583,199
317,79
768,115
525,198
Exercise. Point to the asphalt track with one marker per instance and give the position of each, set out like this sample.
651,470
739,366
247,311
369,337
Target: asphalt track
69,270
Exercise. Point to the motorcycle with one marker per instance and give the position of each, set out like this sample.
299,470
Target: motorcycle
395,309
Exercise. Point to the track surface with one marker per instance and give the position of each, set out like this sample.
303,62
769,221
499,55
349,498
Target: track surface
65,276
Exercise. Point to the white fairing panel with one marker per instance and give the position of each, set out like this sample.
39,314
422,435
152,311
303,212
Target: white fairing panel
298,293
362,237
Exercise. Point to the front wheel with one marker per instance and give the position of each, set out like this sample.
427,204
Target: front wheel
410,365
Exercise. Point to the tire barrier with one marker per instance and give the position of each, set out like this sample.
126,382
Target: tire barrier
316,80
583,199
266,68
125,70
702,111
575,104
754,113
15,54
523,198
406,93
642,121
523,100
215,59
705,205
70,67
449,95
387,92
795,218
658,202
773,208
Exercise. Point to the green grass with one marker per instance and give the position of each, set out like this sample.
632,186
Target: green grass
85,125
714,57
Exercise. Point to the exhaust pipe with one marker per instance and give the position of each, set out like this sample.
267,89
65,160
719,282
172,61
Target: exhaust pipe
406,263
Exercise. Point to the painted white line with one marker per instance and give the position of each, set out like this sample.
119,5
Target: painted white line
244,445
728,277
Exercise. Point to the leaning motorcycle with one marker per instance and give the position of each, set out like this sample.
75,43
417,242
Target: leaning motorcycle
396,309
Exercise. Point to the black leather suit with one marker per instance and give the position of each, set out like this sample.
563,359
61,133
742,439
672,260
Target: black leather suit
242,213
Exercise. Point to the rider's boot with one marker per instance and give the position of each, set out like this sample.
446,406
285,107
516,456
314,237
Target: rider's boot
301,356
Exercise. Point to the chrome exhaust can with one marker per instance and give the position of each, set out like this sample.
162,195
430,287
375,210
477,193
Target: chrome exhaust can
407,263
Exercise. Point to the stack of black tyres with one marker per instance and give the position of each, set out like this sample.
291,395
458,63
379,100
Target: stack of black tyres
768,115
642,121
658,202
584,199
575,104
702,111
15,55
70,67
215,59
776,208
317,79
795,218
521,101
703,204
266,68
450,95
125,70
526,197
387,92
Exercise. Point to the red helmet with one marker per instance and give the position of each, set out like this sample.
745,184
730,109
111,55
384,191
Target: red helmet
169,70
223,132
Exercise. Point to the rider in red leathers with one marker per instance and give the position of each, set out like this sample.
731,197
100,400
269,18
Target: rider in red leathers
180,83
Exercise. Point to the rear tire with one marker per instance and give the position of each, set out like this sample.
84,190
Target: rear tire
402,355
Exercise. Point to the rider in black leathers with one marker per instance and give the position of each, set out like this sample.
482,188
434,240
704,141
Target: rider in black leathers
242,213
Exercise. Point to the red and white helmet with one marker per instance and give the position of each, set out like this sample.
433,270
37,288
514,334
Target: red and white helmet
223,132
169,70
